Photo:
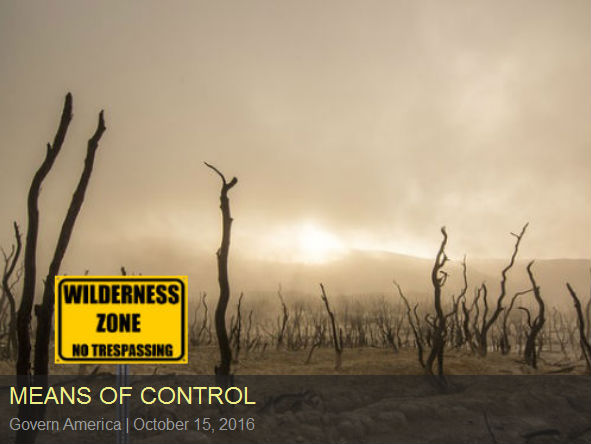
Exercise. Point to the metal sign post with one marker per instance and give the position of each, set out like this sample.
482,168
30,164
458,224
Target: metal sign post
122,406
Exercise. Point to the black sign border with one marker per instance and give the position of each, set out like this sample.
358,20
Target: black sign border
122,279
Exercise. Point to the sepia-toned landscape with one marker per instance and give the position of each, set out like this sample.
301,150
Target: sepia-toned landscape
352,188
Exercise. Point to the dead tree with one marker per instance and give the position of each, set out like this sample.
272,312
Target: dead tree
337,338
530,354
487,324
460,338
193,329
466,325
236,330
438,279
474,341
223,369
23,365
320,330
560,331
250,342
10,261
588,319
481,295
505,344
387,327
44,310
470,325
284,319
414,325
204,322
583,339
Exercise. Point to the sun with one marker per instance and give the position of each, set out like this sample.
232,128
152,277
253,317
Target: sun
304,242
314,244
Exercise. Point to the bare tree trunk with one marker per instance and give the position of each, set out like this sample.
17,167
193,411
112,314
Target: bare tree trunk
314,347
505,344
488,324
416,329
466,325
205,317
284,320
438,278
23,364
583,339
223,369
530,354
338,340
237,331
45,310
460,337
317,341
588,320
10,262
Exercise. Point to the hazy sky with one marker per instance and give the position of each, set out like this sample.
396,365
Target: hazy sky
362,125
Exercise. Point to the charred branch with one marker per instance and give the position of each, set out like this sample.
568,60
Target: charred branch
583,339
438,278
536,325
487,324
23,364
44,311
10,262
337,338
223,369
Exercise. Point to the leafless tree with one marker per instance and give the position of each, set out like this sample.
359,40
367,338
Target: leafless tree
588,319
460,337
10,261
415,325
23,366
583,339
198,336
438,322
223,369
530,354
561,331
284,319
488,323
337,337
250,341
388,328
320,330
505,344
44,310
470,326
236,329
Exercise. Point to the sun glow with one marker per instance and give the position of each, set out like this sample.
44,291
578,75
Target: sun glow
310,242
306,242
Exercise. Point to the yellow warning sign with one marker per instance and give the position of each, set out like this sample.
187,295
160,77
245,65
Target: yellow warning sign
121,319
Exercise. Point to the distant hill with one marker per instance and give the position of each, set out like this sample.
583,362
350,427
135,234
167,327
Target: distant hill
357,273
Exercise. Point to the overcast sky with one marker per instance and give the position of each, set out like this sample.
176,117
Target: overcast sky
363,125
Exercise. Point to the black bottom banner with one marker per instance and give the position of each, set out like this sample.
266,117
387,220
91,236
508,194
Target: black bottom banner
297,409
